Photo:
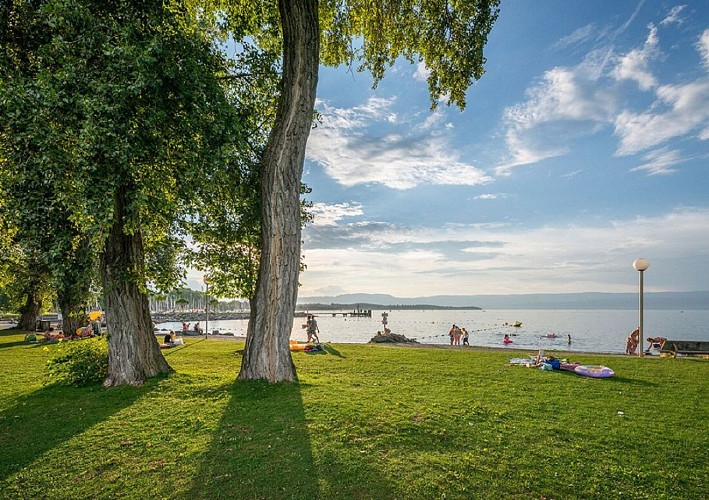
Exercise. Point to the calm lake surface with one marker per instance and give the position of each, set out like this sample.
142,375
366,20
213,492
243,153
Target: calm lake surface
590,330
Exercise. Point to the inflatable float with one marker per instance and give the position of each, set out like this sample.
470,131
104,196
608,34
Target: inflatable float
595,371
294,346
507,341
550,336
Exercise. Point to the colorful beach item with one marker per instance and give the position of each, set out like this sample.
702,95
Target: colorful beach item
507,341
595,371
528,362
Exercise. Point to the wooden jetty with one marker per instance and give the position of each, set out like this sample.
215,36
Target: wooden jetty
358,313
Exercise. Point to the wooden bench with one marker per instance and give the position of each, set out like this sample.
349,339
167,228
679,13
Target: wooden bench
685,347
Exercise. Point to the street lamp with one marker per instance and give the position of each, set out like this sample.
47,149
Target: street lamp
640,266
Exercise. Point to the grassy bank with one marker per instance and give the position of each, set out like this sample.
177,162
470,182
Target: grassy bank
364,422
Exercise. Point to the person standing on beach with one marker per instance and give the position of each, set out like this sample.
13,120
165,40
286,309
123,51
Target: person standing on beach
451,333
466,336
632,342
456,335
312,330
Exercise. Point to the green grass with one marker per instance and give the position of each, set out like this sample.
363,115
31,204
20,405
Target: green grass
364,422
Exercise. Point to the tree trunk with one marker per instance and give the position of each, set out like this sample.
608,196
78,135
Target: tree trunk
29,312
267,353
73,315
133,351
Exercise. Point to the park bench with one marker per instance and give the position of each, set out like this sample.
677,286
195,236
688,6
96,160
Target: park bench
685,347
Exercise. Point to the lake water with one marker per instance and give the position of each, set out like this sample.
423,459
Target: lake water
590,330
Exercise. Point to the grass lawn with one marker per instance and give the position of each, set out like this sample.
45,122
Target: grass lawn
365,421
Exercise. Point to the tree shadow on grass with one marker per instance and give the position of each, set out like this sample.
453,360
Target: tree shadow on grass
5,345
5,334
331,350
52,415
261,447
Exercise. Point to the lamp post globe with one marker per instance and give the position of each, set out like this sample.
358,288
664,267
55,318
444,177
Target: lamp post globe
641,264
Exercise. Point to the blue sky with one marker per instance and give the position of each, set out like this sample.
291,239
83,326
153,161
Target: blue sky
584,146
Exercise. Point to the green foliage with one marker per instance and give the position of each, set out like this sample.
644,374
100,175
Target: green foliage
30,337
79,362
106,100
448,36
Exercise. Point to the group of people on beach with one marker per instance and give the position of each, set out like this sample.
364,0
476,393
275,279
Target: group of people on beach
91,329
456,333
633,342
186,328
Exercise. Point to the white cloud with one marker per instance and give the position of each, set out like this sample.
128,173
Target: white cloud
510,259
422,72
673,17
565,103
703,48
328,215
569,103
579,35
679,110
490,196
401,155
634,64
660,162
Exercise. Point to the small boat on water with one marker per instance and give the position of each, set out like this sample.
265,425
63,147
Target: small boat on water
517,324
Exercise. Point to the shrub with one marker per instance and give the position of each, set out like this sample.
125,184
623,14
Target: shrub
79,363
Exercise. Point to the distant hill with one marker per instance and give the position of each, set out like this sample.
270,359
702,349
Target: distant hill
334,306
590,300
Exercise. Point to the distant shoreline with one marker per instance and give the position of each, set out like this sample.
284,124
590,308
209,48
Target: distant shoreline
379,307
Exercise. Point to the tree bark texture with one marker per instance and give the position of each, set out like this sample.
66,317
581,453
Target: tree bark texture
73,315
29,312
267,353
133,351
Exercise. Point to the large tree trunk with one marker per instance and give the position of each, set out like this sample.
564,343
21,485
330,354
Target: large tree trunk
73,315
267,353
133,351
29,312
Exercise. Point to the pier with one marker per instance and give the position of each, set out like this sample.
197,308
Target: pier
357,313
